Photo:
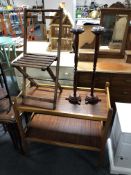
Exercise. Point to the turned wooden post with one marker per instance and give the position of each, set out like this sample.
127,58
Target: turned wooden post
92,98
75,98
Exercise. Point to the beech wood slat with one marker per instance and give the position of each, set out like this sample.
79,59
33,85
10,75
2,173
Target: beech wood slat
25,65
39,58
33,62
39,55
44,64
34,59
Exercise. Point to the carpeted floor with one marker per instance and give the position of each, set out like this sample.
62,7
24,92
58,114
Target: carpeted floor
48,160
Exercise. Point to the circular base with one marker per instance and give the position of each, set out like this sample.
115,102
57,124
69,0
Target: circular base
74,100
91,99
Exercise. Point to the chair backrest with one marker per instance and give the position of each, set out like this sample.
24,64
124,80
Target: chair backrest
4,88
40,16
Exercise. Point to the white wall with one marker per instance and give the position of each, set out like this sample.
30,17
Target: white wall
69,4
109,2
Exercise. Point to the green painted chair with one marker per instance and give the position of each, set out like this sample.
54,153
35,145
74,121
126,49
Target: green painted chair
6,46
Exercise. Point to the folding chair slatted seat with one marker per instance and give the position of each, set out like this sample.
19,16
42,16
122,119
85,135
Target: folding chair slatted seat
43,61
40,61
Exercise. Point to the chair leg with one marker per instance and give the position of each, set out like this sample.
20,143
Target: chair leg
27,116
4,127
19,131
15,137
54,77
1,83
12,133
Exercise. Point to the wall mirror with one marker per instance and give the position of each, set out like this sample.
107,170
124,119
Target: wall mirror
116,23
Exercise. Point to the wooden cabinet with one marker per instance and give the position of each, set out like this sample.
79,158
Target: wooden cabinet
128,42
119,143
116,71
120,86
116,22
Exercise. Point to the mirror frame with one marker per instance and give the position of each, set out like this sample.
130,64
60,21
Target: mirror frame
116,11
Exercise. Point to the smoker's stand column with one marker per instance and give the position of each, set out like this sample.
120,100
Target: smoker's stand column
75,98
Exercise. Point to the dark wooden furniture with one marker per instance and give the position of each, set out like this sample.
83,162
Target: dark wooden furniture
128,56
7,119
7,114
110,19
4,91
78,126
110,44
92,98
128,41
116,71
74,97
40,61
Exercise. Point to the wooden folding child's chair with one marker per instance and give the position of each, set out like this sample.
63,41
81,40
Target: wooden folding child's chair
36,95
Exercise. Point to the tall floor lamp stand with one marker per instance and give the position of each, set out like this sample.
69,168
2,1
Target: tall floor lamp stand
75,97
92,98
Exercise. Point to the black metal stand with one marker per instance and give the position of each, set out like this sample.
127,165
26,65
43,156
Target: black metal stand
92,98
75,97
